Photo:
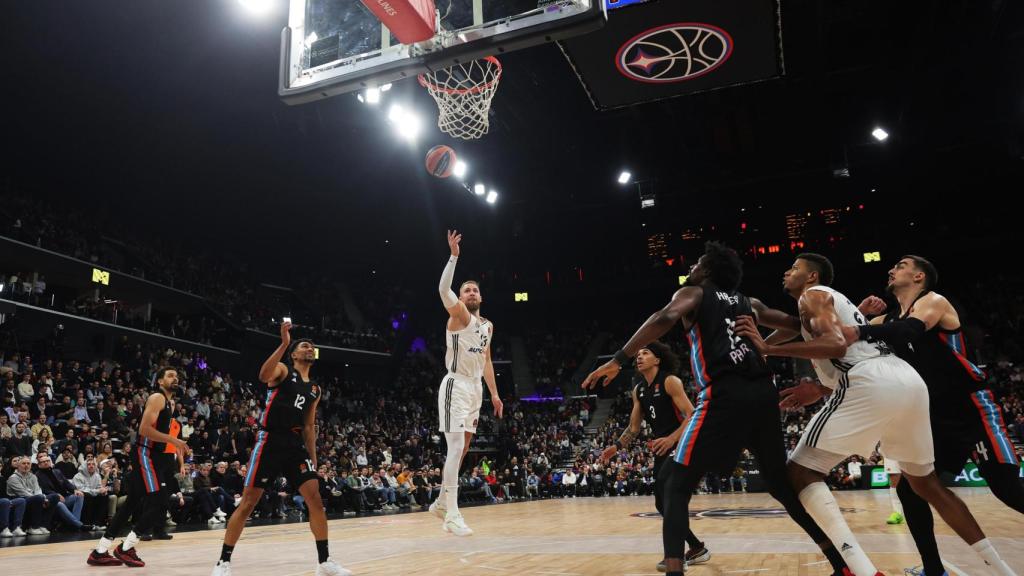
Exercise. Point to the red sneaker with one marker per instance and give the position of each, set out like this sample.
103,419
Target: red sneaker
105,559
129,557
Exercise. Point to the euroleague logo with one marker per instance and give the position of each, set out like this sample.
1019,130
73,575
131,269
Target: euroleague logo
674,53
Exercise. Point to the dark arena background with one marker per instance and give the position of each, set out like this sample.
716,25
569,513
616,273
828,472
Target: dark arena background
180,178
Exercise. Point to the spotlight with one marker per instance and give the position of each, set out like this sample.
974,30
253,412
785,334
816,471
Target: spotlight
406,123
879,134
625,177
492,197
257,6
459,170
479,189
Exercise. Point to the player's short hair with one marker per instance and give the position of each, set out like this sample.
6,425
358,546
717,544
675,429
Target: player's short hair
724,266
821,265
295,345
931,275
473,282
162,371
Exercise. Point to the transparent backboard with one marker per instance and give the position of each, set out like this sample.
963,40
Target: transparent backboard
336,46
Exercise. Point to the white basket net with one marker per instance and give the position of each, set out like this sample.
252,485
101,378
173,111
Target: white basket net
463,94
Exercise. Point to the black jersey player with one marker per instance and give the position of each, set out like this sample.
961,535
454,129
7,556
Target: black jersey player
285,446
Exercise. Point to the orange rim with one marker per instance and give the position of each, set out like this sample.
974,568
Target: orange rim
460,91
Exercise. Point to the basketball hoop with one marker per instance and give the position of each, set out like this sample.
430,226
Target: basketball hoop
463,94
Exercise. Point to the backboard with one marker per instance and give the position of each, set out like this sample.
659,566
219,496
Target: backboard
336,46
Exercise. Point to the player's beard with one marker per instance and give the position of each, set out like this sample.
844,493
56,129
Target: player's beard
473,307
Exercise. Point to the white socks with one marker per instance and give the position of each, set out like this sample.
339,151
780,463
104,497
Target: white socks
104,546
131,540
984,549
820,504
450,474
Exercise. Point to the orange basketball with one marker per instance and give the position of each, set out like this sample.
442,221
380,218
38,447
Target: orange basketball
440,161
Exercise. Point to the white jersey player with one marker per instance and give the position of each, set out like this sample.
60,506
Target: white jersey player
874,396
468,360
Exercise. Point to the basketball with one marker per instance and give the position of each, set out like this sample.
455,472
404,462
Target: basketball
440,161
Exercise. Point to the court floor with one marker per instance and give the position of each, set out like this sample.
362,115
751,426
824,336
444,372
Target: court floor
746,533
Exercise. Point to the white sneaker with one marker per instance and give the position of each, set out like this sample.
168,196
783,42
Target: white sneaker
214,521
331,568
38,531
438,509
219,513
455,524
222,569
6,533
19,532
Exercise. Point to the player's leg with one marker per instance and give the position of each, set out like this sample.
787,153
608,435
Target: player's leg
767,445
846,424
698,552
909,440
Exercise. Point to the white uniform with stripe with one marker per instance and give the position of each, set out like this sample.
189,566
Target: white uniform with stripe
461,392
875,397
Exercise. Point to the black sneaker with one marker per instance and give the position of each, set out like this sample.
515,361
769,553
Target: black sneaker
697,555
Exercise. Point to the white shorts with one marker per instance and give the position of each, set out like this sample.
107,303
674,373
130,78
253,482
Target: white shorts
879,399
458,404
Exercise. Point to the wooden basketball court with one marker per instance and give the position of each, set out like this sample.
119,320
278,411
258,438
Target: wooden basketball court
571,537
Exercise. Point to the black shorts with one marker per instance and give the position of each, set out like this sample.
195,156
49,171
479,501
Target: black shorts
732,413
279,454
978,435
149,470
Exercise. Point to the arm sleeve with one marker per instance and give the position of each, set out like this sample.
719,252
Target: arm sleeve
445,287
898,332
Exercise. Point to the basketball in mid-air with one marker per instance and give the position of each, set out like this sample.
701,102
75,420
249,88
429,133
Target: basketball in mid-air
440,161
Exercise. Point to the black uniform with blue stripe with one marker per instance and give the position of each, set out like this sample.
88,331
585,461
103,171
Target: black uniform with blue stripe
967,421
737,407
735,386
280,449
147,482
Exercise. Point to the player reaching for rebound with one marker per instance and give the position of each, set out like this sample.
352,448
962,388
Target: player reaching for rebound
285,446
468,359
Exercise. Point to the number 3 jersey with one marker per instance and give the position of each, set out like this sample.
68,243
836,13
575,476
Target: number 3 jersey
288,404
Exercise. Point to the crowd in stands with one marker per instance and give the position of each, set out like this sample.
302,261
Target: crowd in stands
554,358
229,285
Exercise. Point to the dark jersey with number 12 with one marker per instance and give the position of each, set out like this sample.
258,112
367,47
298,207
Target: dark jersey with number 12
287,404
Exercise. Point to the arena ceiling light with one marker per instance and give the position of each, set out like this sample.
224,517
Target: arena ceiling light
492,197
879,134
625,177
459,170
257,6
479,189
405,122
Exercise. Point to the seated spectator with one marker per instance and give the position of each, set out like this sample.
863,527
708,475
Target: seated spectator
71,500
532,485
12,511
569,483
212,499
20,443
24,484
90,483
